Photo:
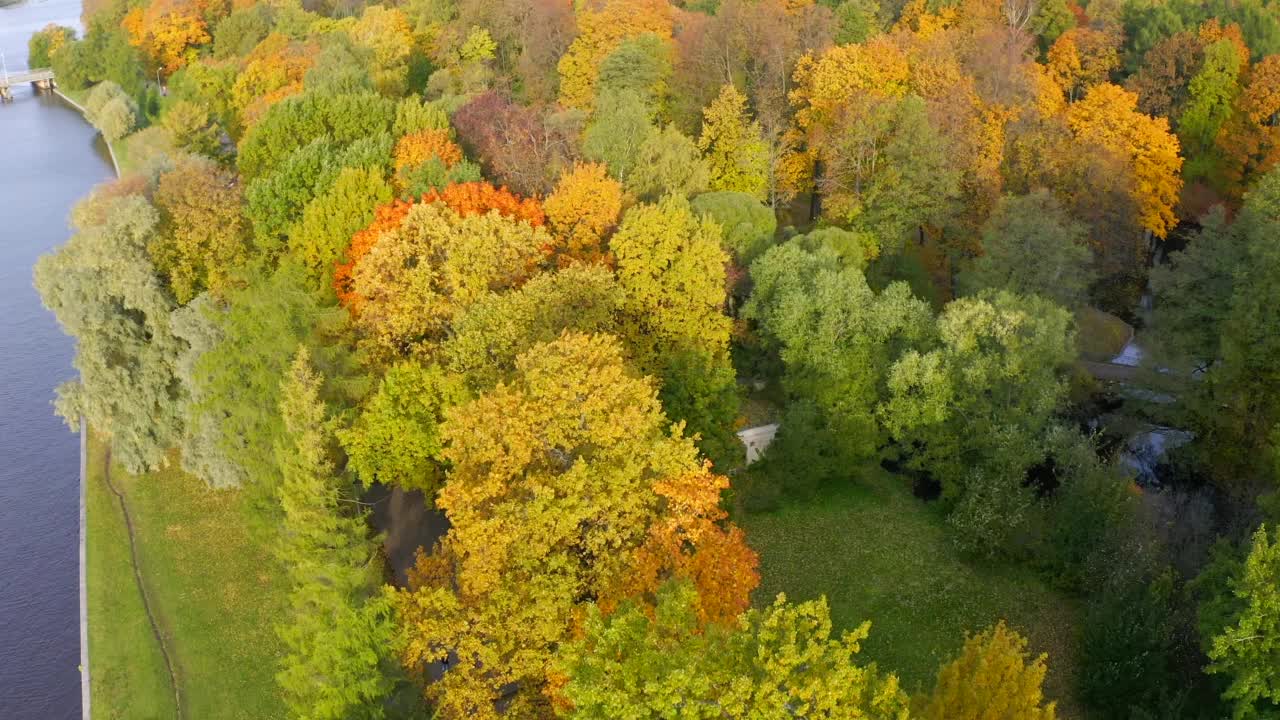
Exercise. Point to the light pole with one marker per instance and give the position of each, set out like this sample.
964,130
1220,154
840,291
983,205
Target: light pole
5,67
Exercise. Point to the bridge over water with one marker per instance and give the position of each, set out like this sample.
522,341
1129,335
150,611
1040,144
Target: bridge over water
41,78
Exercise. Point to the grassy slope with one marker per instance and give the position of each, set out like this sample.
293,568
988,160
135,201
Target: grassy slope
214,588
879,554
126,668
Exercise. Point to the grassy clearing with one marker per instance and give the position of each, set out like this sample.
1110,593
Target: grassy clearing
880,554
215,590
128,675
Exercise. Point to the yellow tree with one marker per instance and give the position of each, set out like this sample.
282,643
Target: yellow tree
672,271
431,265
203,235
168,31
600,32
1081,58
991,680
272,72
1108,117
583,209
555,484
386,34
734,147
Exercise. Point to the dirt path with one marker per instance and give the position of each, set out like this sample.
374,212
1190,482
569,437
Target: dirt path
142,590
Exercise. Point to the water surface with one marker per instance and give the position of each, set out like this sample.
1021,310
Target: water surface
49,157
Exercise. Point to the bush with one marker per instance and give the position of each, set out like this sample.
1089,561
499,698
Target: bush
101,94
117,118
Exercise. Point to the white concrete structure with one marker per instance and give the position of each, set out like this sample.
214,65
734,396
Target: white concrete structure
756,439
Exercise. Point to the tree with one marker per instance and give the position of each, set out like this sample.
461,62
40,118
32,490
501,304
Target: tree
554,484
105,292
1108,117
1081,58
775,662
192,128
385,34
997,368
396,439
203,237
235,380
167,31
746,225
319,238
640,64
1031,246
888,171
44,45
491,334
117,118
621,126
1248,651
1250,141
1161,82
275,202
835,336
275,70
517,146
337,626
991,679
858,21
1193,291
736,154
298,120
241,31
1211,94
600,32
416,278
584,209
672,274
667,163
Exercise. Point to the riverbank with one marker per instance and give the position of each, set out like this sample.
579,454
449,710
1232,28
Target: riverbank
214,592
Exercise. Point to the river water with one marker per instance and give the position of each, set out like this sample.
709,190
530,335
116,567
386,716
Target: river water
49,157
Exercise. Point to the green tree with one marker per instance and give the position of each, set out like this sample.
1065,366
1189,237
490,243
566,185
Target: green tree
105,292
1210,98
491,334
992,679
42,46
888,171
747,226
641,64
235,390
236,35
1248,651
1032,246
672,274
667,163
836,337
620,126
295,121
338,626
776,662
275,201
396,438
736,154
974,410
857,20
1193,291
192,128
320,236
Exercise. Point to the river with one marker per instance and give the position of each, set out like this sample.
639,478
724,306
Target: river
49,157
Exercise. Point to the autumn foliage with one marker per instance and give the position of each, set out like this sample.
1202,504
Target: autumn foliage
417,148
583,209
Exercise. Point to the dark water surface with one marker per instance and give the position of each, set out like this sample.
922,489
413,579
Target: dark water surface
49,157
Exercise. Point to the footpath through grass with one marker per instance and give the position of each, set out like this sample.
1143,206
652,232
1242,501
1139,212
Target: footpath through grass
879,554
213,586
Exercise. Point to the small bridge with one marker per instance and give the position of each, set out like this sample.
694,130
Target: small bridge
42,79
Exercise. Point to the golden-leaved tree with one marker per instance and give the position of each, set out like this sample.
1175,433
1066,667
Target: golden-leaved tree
558,479
1108,118
992,679
736,153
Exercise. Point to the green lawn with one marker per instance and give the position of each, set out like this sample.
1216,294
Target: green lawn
215,590
879,554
